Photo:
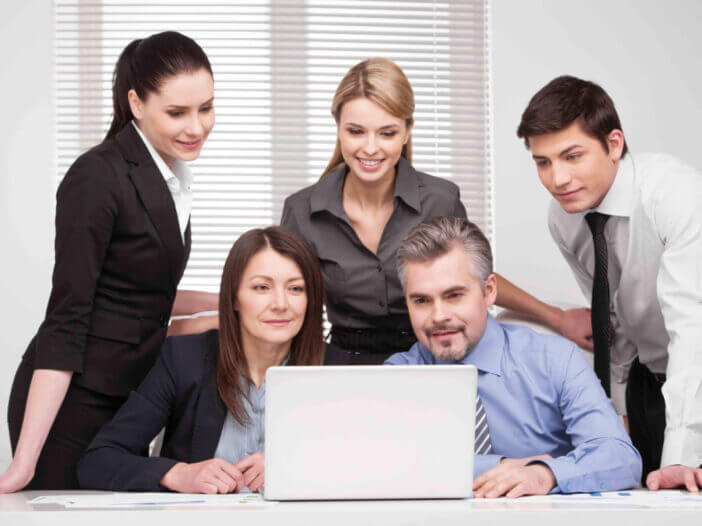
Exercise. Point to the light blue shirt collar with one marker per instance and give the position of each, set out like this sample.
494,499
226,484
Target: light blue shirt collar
487,355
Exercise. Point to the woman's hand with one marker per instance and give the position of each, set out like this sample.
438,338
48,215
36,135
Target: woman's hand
17,476
211,476
46,393
252,469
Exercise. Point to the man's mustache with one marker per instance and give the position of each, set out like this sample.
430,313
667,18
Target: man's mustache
442,327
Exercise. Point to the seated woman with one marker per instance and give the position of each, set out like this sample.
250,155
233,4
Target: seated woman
208,389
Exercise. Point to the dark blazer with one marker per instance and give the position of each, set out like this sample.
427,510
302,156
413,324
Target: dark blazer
179,393
119,257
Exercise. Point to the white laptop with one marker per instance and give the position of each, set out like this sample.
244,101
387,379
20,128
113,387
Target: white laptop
369,432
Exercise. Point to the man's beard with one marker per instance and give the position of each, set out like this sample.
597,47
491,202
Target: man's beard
444,350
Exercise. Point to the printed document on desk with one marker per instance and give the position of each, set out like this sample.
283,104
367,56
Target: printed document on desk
643,498
123,500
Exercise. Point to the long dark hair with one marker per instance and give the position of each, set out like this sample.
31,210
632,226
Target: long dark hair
145,64
307,347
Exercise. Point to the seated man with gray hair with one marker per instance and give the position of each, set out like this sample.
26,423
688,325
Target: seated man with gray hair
543,422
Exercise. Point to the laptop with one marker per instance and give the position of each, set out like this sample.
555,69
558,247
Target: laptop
369,432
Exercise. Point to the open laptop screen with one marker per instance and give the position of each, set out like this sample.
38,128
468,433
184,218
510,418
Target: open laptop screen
367,432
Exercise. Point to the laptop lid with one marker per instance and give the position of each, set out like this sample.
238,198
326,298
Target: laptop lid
369,432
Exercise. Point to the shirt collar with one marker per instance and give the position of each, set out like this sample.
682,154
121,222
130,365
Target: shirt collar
619,199
181,171
487,355
327,193
407,185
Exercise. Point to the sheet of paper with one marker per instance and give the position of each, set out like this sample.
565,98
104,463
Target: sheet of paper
122,500
643,498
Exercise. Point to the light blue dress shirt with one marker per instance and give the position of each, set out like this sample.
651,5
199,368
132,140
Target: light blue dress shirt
236,442
542,397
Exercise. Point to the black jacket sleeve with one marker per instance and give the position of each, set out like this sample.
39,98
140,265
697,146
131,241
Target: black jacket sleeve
87,205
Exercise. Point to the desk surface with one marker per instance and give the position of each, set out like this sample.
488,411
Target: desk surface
640,509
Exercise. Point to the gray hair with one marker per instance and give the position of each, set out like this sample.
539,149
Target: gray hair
434,238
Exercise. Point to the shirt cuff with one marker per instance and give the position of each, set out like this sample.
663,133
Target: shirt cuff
618,390
565,472
681,446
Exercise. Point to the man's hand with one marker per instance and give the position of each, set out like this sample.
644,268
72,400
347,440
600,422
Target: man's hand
513,479
252,469
576,325
675,477
211,476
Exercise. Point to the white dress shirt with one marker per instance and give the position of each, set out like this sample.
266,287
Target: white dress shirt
654,238
179,181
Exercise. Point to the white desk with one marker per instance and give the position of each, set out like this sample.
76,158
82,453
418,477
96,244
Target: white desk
14,511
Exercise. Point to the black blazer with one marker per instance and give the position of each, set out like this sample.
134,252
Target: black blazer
119,257
180,392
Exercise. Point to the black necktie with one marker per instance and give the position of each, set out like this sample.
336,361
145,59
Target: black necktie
601,326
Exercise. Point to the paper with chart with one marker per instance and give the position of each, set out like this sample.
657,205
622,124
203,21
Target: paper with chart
643,498
153,500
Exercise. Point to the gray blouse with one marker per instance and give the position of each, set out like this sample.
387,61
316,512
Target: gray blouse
362,288
237,442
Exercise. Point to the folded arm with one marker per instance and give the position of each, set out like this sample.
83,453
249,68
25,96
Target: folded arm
603,457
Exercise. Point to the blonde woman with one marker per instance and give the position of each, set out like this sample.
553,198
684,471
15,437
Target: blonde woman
366,202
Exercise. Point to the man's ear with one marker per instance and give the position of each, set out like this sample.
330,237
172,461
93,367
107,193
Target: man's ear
135,104
491,289
615,141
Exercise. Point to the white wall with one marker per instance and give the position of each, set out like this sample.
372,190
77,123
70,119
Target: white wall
644,53
26,185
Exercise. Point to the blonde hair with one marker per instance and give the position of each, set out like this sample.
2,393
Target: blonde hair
381,81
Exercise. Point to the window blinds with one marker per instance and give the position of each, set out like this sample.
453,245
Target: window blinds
276,65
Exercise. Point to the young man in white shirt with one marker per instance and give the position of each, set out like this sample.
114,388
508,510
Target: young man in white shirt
630,227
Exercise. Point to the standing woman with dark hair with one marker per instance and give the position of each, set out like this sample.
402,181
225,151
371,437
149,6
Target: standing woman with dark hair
122,242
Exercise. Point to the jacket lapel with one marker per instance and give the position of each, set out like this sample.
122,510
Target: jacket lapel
210,411
155,196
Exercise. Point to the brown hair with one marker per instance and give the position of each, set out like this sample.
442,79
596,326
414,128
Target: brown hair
567,99
383,82
307,346
143,66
